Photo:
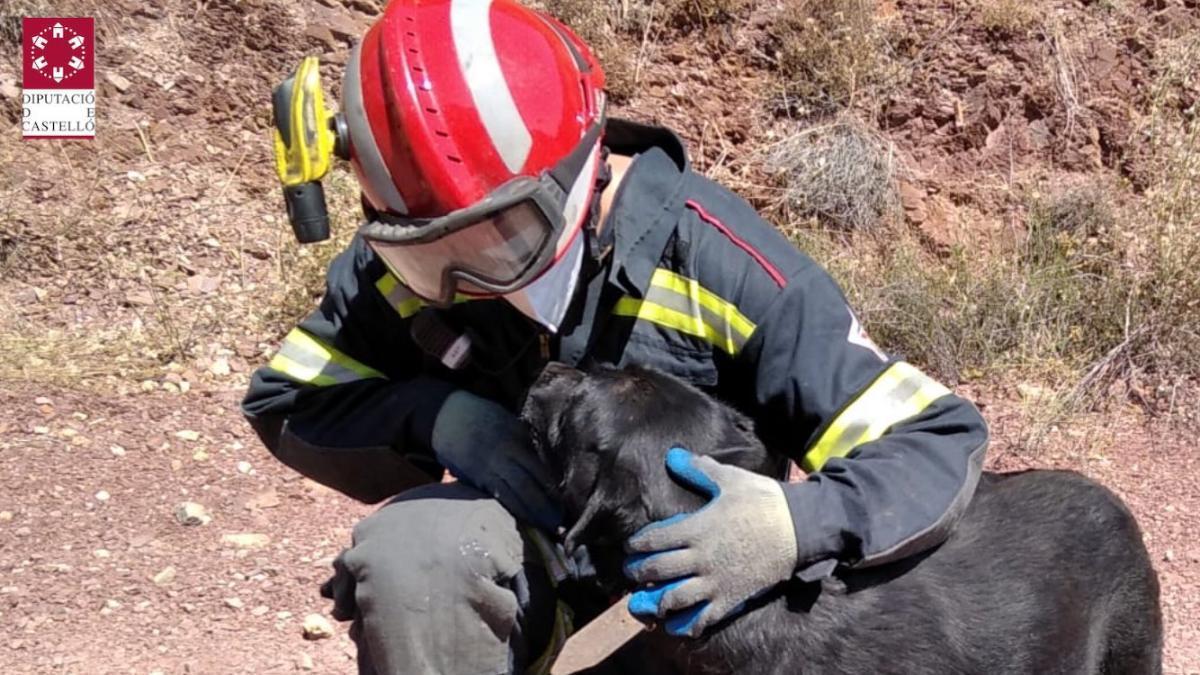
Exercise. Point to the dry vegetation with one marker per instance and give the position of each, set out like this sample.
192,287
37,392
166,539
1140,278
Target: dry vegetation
1078,286
841,173
1009,17
827,52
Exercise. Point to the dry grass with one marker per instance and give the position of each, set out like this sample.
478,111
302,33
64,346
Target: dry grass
842,174
1169,219
696,14
11,12
1009,17
611,29
827,52
1048,302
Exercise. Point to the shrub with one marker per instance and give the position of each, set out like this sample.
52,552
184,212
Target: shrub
688,14
1009,17
606,29
842,173
1053,301
826,52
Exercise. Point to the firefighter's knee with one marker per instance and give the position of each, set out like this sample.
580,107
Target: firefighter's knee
433,572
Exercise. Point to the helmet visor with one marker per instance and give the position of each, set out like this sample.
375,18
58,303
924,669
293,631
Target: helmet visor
495,254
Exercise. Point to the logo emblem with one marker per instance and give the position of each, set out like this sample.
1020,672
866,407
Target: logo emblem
59,95
58,52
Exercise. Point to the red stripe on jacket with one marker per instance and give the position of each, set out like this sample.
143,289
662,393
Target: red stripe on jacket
770,269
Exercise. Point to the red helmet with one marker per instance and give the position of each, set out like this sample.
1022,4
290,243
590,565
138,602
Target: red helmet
474,130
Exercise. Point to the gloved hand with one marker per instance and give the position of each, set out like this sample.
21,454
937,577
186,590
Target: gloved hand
702,566
488,448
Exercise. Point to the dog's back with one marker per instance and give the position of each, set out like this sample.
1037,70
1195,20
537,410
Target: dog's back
1045,573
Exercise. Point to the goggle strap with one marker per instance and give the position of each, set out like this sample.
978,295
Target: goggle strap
568,169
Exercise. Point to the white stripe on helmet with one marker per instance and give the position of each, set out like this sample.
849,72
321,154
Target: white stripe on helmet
471,27
380,186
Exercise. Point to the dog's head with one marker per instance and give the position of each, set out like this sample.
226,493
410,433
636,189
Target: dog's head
604,435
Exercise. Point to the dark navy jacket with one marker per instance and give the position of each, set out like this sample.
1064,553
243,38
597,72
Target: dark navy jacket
692,281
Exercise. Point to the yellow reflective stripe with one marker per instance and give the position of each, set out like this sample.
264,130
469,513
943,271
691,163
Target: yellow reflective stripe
399,297
304,358
563,627
403,300
552,558
899,393
301,372
682,304
670,318
556,568
705,298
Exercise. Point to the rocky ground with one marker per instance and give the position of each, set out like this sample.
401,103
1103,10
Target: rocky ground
145,274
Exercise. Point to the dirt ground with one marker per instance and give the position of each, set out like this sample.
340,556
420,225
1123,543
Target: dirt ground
99,576
144,275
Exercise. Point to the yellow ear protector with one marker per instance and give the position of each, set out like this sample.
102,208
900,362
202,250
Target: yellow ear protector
307,136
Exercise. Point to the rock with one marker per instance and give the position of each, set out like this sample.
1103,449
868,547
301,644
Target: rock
103,496
122,84
244,467
139,299
268,499
6,516
317,627
203,283
116,450
283,616
200,456
1031,392
912,198
9,89
42,400
136,176
165,576
102,553
112,604
41,431
187,435
306,661
191,514
246,540
1169,556
220,367
260,610
235,603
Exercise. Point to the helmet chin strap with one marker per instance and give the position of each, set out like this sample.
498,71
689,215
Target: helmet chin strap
599,240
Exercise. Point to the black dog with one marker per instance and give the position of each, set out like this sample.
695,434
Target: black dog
1045,573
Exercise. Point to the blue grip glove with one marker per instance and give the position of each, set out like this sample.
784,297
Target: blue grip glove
701,567
488,448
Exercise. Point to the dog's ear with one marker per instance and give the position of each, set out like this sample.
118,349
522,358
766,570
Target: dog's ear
547,399
738,444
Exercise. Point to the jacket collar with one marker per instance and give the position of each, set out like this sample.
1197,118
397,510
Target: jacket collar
648,202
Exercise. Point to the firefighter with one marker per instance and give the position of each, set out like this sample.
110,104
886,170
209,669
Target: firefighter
509,223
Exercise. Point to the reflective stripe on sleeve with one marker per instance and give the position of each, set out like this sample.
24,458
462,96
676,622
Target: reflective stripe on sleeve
899,393
405,302
556,569
398,296
682,304
304,358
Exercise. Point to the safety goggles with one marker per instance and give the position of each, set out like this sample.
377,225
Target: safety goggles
496,245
